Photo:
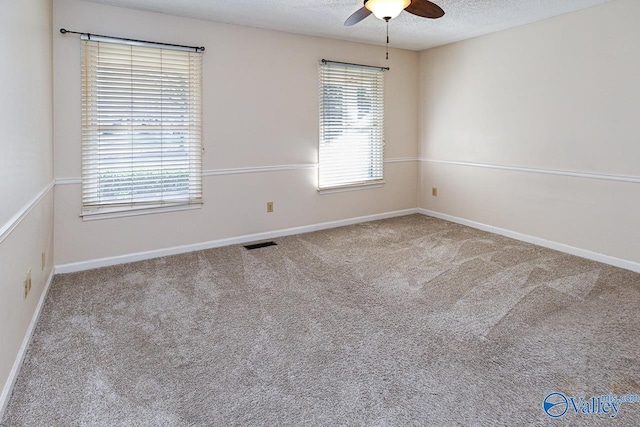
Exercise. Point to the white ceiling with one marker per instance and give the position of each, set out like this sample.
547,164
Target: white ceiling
325,18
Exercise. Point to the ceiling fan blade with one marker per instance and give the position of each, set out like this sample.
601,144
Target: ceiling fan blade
357,16
425,8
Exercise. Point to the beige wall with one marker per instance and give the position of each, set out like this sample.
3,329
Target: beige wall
561,94
260,109
25,110
25,168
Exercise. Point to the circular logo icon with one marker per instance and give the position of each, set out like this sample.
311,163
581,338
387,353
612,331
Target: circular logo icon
555,404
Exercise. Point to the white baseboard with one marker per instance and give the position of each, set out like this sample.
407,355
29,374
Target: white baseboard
140,256
561,247
17,364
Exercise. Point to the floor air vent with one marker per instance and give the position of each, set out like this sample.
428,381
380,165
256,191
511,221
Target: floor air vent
260,245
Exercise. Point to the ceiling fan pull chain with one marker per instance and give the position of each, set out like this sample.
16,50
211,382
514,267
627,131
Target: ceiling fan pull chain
387,19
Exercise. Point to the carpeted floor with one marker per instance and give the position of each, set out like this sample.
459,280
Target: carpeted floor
407,321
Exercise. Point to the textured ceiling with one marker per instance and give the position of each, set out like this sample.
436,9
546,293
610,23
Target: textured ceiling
463,19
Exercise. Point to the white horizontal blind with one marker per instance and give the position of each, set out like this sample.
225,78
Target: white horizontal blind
141,127
351,125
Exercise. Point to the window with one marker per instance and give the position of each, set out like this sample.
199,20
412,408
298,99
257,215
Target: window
141,127
351,125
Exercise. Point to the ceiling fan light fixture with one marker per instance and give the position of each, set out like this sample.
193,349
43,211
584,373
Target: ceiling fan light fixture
386,9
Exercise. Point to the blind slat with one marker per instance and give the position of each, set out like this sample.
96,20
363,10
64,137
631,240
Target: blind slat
141,120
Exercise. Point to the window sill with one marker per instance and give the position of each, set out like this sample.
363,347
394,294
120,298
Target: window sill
120,213
352,187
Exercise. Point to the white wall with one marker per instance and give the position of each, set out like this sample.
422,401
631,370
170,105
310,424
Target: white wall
26,220
260,109
561,94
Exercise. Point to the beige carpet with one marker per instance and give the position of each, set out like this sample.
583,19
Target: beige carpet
407,321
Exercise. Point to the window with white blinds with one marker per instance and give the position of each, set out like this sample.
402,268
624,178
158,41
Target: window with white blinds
351,125
141,127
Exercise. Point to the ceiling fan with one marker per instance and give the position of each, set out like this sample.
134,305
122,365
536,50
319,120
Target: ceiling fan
386,10
389,9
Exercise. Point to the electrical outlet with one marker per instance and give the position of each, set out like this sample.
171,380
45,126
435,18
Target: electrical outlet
269,207
434,191
44,259
27,285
